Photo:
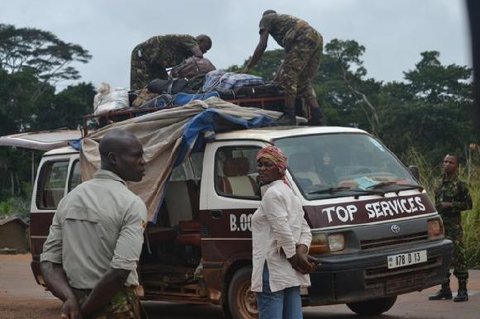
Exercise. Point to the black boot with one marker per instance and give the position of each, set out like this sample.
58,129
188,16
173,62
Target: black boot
443,293
462,291
316,118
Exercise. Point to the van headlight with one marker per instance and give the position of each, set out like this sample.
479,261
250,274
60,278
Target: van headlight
324,243
436,229
336,242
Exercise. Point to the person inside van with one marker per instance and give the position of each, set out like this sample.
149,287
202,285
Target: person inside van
280,240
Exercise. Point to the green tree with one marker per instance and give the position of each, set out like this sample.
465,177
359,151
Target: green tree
15,172
430,111
267,66
49,57
435,83
17,109
32,62
346,94
67,108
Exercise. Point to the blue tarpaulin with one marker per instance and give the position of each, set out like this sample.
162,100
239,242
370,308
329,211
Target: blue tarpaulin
203,127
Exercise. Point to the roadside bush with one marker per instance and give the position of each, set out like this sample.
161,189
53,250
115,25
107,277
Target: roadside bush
15,206
5,208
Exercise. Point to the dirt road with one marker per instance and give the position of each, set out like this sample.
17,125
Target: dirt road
22,298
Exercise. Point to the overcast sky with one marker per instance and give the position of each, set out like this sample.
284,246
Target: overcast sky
394,33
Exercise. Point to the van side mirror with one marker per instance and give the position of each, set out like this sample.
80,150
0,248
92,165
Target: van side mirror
415,172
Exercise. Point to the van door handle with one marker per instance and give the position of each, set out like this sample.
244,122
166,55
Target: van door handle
216,214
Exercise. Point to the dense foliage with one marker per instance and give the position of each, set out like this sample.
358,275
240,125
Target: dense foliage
32,62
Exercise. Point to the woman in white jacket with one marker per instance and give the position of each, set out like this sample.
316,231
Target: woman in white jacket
281,238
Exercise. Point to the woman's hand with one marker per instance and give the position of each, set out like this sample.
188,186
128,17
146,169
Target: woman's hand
302,262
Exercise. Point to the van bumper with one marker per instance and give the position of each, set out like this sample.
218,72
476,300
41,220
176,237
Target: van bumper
356,277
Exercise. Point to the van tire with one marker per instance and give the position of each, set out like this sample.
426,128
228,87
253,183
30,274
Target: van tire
242,303
372,307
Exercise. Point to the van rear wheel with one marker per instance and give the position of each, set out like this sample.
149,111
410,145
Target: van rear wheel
242,303
372,307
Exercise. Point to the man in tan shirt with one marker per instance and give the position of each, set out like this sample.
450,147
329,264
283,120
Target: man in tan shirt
90,257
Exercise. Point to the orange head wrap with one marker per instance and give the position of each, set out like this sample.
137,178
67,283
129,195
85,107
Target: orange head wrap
275,155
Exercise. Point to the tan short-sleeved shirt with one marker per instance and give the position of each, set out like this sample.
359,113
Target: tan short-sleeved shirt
98,226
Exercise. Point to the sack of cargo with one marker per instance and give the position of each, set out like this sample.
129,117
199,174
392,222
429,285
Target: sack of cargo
220,79
108,99
191,67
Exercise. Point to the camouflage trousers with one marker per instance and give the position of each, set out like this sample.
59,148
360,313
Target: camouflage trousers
454,232
124,305
300,66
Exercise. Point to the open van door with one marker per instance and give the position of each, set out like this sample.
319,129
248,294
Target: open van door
43,141
40,141
59,172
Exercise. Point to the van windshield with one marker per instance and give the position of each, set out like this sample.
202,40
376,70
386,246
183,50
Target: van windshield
346,164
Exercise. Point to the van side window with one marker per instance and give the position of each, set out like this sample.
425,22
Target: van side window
197,165
182,193
51,184
236,172
75,176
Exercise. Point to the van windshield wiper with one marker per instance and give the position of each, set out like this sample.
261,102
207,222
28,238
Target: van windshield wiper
333,190
398,187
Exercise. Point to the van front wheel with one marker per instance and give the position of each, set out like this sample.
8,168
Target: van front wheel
242,303
372,307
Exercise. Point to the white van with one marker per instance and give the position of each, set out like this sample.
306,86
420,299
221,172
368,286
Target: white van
374,227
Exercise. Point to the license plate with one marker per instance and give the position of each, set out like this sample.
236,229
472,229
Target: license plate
407,259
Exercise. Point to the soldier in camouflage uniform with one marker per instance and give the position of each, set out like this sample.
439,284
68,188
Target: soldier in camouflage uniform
151,58
451,198
303,49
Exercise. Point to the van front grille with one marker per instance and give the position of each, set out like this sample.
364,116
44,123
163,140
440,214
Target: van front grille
391,241
399,280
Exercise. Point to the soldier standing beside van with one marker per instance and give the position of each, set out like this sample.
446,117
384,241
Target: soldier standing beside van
451,198
151,58
91,254
303,49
